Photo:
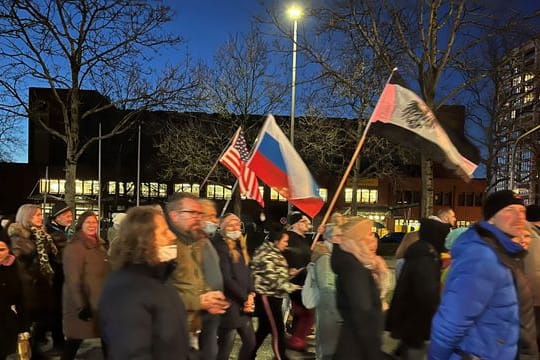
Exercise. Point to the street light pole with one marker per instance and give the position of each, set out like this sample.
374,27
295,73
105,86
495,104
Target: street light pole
513,156
293,78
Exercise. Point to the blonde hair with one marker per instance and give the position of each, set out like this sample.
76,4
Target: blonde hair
231,244
25,213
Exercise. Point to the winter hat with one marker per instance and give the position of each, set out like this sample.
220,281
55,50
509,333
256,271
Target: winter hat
434,232
498,200
59,208
533,213
295,217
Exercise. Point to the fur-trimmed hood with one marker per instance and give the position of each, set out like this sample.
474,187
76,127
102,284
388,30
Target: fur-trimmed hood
17,230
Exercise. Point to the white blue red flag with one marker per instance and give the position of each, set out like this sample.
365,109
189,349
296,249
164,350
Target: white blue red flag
276,162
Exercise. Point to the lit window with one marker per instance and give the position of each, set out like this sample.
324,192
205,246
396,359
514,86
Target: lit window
121,188
348,195
323,193
516,81
184,187
154,189
274,195
43,186
261,190
529,76
111,187
53,186
87,187
218,192
528,98
130,188
95,187
162,192
78,187
145,190
62,186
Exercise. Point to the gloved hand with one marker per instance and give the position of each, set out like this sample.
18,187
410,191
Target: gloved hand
85,313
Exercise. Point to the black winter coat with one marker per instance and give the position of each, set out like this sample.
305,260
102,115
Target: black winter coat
237,284
11,309
141,316
417,293
359,304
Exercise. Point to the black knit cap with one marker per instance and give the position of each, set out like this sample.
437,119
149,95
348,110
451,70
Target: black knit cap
533,213
59,208
294,217
499,200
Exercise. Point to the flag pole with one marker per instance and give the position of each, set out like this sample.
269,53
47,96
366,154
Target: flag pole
219,157
348,170
229,200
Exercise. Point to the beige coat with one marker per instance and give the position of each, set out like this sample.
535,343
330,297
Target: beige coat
86,266
532,264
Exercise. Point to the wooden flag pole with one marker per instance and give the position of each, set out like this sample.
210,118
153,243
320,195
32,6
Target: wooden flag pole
347,171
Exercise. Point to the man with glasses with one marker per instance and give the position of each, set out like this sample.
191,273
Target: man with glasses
184,212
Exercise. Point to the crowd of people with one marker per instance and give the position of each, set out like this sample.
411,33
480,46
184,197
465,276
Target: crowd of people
177,282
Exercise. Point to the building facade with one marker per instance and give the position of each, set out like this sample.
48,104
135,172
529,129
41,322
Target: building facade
130,175
518,111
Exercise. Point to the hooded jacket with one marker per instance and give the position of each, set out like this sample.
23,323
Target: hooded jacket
417,292
479,313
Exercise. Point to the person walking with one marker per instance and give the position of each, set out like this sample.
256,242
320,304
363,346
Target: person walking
35,251
272,284
86,265
141,315
497,320
357,294
238,288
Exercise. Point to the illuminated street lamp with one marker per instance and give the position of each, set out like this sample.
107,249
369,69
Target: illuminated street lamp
294,13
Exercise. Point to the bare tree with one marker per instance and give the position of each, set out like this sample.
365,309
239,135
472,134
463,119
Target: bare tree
10,141
106,45
429,41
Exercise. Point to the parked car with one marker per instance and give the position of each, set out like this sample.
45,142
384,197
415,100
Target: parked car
392,238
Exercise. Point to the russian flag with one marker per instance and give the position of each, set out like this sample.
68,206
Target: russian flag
276,162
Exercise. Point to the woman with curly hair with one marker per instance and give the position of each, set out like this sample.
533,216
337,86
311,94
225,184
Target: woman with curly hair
86,265
238,288
35,252
141,315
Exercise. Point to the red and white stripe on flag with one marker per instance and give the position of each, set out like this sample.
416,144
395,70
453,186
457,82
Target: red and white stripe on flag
234,159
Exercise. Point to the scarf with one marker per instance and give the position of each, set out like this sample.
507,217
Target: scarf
44,244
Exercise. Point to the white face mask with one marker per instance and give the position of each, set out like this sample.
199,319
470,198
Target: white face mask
167,253
209,228
233,234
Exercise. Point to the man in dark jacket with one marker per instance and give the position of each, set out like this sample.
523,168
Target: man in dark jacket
58,223
298,255
416,296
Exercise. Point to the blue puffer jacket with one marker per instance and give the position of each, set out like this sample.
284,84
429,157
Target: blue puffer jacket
479,312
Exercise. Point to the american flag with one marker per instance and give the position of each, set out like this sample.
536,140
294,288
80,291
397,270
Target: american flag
234,159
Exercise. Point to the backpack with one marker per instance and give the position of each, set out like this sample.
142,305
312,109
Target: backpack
310,291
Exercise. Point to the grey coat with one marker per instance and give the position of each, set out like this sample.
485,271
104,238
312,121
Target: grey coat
86,266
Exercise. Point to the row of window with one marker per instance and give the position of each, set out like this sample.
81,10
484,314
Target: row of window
219,192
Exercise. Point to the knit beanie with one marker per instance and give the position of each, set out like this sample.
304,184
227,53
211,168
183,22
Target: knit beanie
294,217
533,213
59,208
499,200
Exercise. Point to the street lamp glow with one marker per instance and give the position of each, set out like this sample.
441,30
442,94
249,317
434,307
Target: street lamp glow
294,12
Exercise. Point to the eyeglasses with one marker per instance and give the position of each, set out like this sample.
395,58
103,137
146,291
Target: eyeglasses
193,213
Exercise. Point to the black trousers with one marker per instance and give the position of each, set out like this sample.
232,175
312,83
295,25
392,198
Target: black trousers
270,322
